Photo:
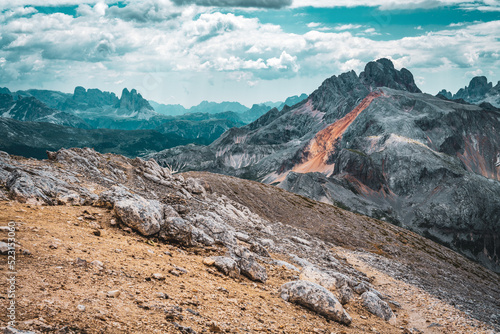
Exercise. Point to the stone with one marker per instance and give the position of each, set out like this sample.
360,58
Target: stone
98,264
145,216
361,288
314,275
159,277
80,308
377,306
300,261
178,230
4,247
215,227
174,272
227,266
169,211
242,236
345,294
287,265
259,250
300,241
267,243
201,237
194,186
208,261
249,266
316,298
12,330
113,293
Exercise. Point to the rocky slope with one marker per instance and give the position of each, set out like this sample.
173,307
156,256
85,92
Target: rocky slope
375,144
215,253
479,91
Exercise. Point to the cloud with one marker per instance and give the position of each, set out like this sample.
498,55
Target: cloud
485,5
154,40
348,27
274,4
474,73
313,24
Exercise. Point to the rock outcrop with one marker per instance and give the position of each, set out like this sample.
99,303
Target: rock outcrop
377,306
316,298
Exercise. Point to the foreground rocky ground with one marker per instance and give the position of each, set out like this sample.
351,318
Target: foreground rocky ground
107,244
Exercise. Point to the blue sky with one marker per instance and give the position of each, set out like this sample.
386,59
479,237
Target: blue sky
186,51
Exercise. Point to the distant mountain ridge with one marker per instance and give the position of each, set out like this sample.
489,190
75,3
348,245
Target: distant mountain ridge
214,107
478,91
31,109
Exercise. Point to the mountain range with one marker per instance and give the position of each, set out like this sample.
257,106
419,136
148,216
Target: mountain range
478,91
376,145
94,109
372,143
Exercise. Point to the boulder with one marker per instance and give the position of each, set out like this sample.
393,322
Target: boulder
178,230
216,229
377,306
316,298
287,265
361,288
143,215
345,294
300,261
194,186
249,266
4,247
227,266
259,250
314,275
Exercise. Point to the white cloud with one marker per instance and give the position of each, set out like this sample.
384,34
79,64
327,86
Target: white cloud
484,5
313,24
151,39
348,27
285,61
474,73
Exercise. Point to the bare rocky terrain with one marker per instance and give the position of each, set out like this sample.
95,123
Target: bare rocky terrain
107,244
375,144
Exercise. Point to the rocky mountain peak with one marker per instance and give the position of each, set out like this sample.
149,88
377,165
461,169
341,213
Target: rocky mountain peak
91,98
478,87
381,73
478,91
5,90
133,101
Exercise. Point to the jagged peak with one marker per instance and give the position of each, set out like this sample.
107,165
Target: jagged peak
381,73
134,101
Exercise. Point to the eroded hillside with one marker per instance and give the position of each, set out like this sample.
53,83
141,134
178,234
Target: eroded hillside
109,244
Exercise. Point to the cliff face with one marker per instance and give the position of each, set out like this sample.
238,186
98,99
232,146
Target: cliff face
376,145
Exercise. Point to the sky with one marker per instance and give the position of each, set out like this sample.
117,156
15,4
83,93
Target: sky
250,51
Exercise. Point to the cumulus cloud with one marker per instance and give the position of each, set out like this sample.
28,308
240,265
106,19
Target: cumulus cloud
485,5
151,39
313,24
348,27
275,4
